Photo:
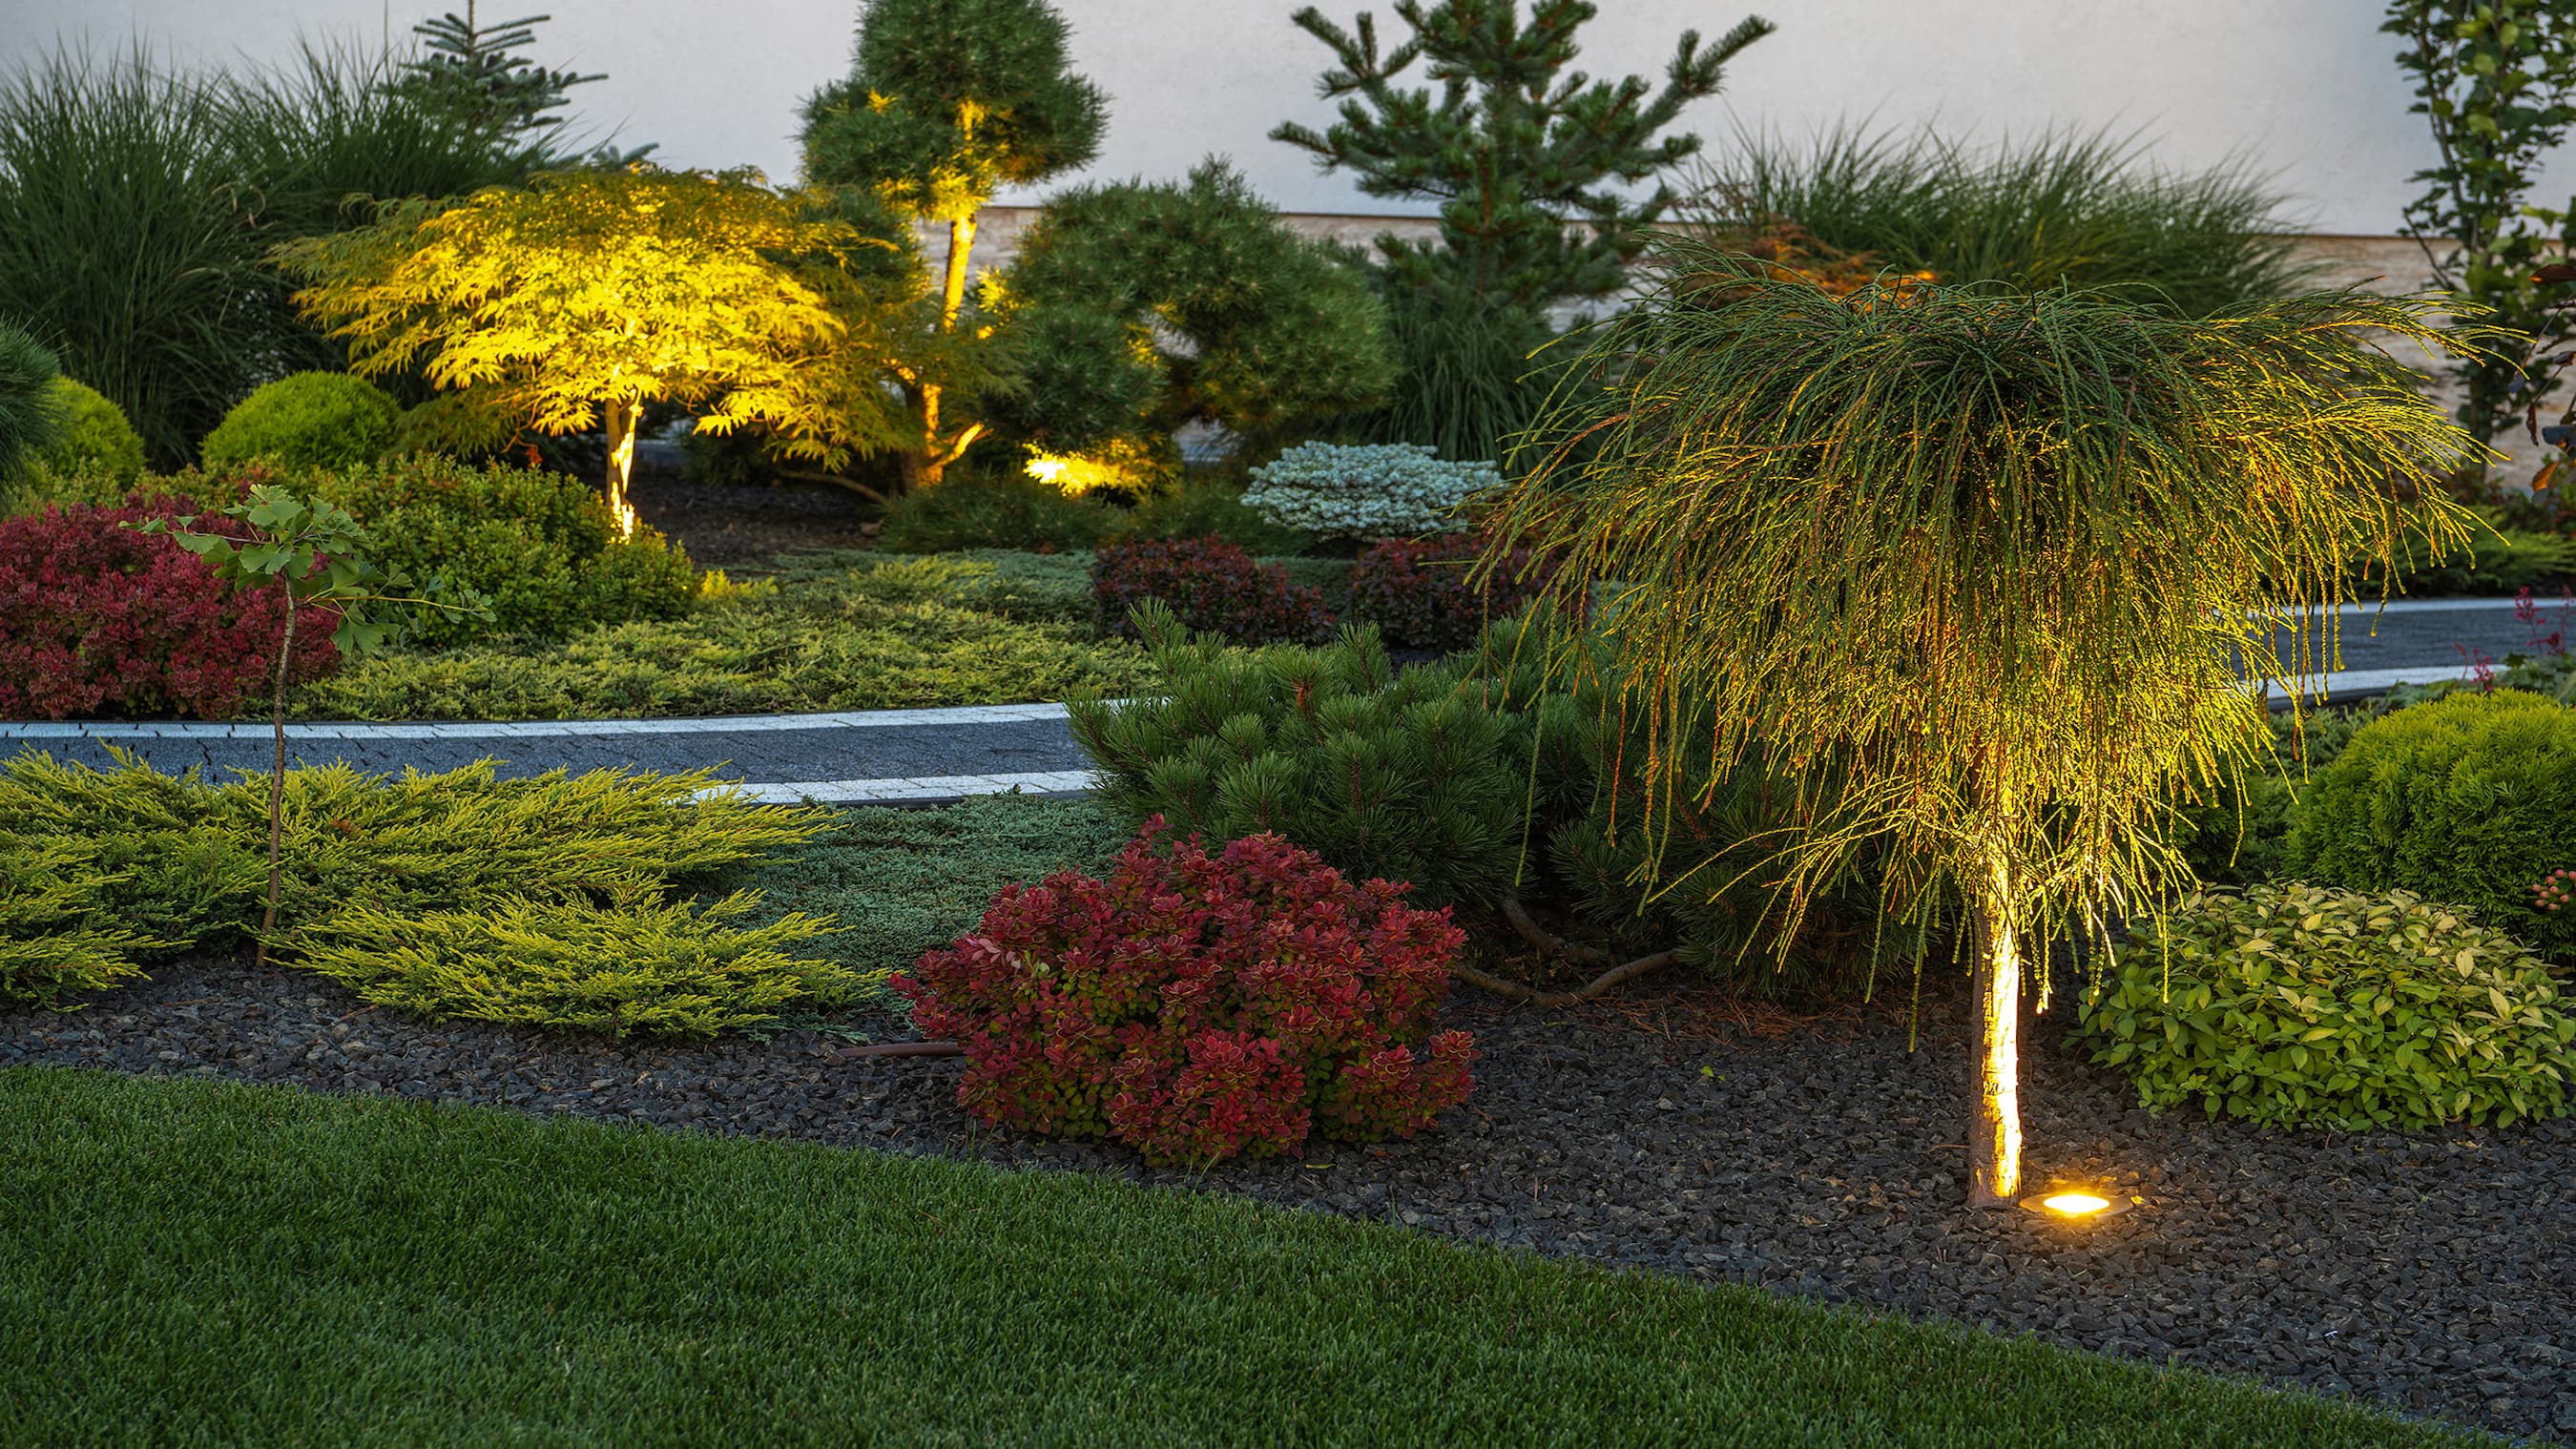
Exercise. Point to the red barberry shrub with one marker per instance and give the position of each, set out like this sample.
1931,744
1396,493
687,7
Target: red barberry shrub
1197,1006
96,617
1215,587
1417,591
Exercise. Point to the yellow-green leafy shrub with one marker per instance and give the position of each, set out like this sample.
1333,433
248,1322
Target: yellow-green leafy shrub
637,968
2299,1006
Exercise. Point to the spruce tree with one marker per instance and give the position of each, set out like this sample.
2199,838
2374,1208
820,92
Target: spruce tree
1529,161
947,102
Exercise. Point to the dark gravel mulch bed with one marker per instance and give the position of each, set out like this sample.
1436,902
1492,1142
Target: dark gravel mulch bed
2436,1274
726,526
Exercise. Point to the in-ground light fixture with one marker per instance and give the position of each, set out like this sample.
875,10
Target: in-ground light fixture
2077,1204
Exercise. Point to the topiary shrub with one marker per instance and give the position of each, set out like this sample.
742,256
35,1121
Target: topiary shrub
1417,592
1002,511
306,420
1385,490
94,438
1384,775
2297,1006
1199,1006
540,546
96,617
2467,799
1211,586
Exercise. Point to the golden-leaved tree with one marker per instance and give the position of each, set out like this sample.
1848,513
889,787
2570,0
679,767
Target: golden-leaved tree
1971,571
575,301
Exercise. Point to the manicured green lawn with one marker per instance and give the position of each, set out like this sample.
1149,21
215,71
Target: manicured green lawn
190,1263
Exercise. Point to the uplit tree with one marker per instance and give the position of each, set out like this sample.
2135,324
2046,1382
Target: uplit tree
1970,569
573,303
948,101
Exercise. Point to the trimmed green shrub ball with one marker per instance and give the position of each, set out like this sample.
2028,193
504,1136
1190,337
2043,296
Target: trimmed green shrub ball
307,420
2298,1006
2469,799
95,437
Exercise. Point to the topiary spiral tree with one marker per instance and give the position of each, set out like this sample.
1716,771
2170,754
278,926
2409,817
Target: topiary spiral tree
947,102
1968,568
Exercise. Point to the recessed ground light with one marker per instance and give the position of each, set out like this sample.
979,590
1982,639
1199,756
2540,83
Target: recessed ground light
2075,1204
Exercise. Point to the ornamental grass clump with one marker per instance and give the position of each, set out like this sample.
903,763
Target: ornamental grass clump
1967,567
1197,1006
2298,1006
1383,490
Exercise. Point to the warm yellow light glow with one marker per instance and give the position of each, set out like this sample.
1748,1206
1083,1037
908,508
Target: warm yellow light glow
1046,469
2074,1204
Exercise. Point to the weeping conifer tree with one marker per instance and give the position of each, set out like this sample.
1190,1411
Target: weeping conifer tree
1971,570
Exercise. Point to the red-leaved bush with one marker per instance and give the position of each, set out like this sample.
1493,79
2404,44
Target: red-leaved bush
1417,593
1197,1006
1213,586
96,617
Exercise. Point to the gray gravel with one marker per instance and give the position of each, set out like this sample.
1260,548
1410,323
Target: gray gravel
2433,1273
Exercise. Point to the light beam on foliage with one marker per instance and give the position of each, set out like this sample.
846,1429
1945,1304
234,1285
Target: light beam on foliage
1972,570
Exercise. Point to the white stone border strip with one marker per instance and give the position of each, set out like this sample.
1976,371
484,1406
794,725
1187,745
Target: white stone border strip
981,714
924,787
2360,681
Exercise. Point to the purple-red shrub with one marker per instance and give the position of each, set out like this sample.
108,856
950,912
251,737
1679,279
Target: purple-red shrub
1213,586
95,616
1197,1006
1417,592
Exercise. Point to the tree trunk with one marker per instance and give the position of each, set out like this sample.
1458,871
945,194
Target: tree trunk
925,470
277,770
621,465
1994,1138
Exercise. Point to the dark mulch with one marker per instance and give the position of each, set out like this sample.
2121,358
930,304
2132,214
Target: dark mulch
730,527
2434,1273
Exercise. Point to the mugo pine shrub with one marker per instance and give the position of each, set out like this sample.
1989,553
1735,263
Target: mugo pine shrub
1379,490
1197,1006
1210,585
307,420
96,617
1380,773
2467,799
2297,1006
95,437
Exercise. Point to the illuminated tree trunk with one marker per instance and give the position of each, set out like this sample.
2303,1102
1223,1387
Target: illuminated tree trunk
936,453
621,465
1994,1136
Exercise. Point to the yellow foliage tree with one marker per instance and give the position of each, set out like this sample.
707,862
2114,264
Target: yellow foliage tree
574,302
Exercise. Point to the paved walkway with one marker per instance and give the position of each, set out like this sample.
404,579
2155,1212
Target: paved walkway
915,755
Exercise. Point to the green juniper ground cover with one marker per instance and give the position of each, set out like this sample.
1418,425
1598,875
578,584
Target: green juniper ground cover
205,1264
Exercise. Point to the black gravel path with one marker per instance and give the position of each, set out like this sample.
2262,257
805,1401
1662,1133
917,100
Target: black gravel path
2433,1273
761,755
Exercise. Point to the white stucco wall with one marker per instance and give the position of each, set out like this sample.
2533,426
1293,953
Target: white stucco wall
2304,88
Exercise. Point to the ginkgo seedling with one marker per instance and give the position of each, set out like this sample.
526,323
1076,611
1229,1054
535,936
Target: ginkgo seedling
314,555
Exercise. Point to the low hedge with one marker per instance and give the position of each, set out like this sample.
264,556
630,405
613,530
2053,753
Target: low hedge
2470,799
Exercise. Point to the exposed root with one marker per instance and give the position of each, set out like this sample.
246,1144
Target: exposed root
1586,992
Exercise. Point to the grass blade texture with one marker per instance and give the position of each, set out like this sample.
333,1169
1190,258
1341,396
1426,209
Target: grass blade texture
2066,209
200,1264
